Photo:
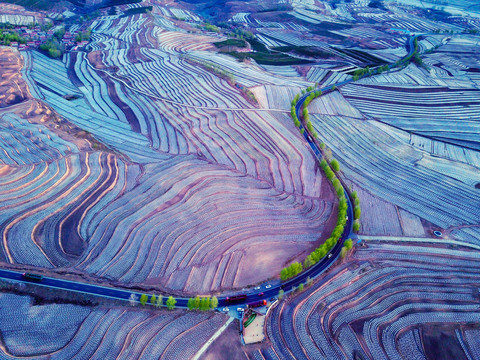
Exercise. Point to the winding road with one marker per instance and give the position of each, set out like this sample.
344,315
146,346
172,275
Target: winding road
266,291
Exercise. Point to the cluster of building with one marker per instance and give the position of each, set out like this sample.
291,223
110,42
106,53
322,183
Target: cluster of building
36,36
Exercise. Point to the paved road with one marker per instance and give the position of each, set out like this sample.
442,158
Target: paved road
252,295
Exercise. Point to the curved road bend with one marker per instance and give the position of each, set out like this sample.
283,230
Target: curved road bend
252,295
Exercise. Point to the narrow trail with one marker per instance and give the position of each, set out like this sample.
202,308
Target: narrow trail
418,239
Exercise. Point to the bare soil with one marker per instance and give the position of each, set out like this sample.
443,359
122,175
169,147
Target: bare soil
15,98
440,343
227,345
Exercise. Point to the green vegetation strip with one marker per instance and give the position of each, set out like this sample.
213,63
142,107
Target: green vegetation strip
154,300
320,252
202,303
250,319
231,43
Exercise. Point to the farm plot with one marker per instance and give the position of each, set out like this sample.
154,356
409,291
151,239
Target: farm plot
334,104
441,113
101,111
384,302
247,74
184,233
24,143
189,146
42,211
292,38
382,161
12,89
82,332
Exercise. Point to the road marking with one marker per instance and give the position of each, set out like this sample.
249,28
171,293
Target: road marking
212,339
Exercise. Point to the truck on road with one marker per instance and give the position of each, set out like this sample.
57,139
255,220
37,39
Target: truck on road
32,277
236,298
257,303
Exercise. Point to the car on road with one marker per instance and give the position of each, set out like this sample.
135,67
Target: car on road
329,256
268,286
256,288
261,294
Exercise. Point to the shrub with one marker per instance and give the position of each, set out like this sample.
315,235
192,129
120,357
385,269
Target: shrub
357,212
356,225
348,244
335,165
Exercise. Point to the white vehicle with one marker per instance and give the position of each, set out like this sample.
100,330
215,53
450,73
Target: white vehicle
329,256
225,309
268,286
256,288
240,310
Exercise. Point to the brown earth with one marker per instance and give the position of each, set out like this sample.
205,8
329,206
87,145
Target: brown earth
440,343
227,345
15,98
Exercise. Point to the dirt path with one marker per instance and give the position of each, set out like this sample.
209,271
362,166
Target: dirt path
424,240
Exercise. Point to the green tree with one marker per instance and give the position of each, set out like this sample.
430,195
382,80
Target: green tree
335,165
190,304
300,287
322,145
214,302
197,302
171,303
348,244
281,293
336,183
205,303
308,262
323,163
339,191
309,126
356,226
305,112
153,300
357,212
143,299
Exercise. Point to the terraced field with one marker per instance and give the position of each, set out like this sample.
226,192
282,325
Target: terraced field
194,190
381,160
385,302
442,103
83,332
